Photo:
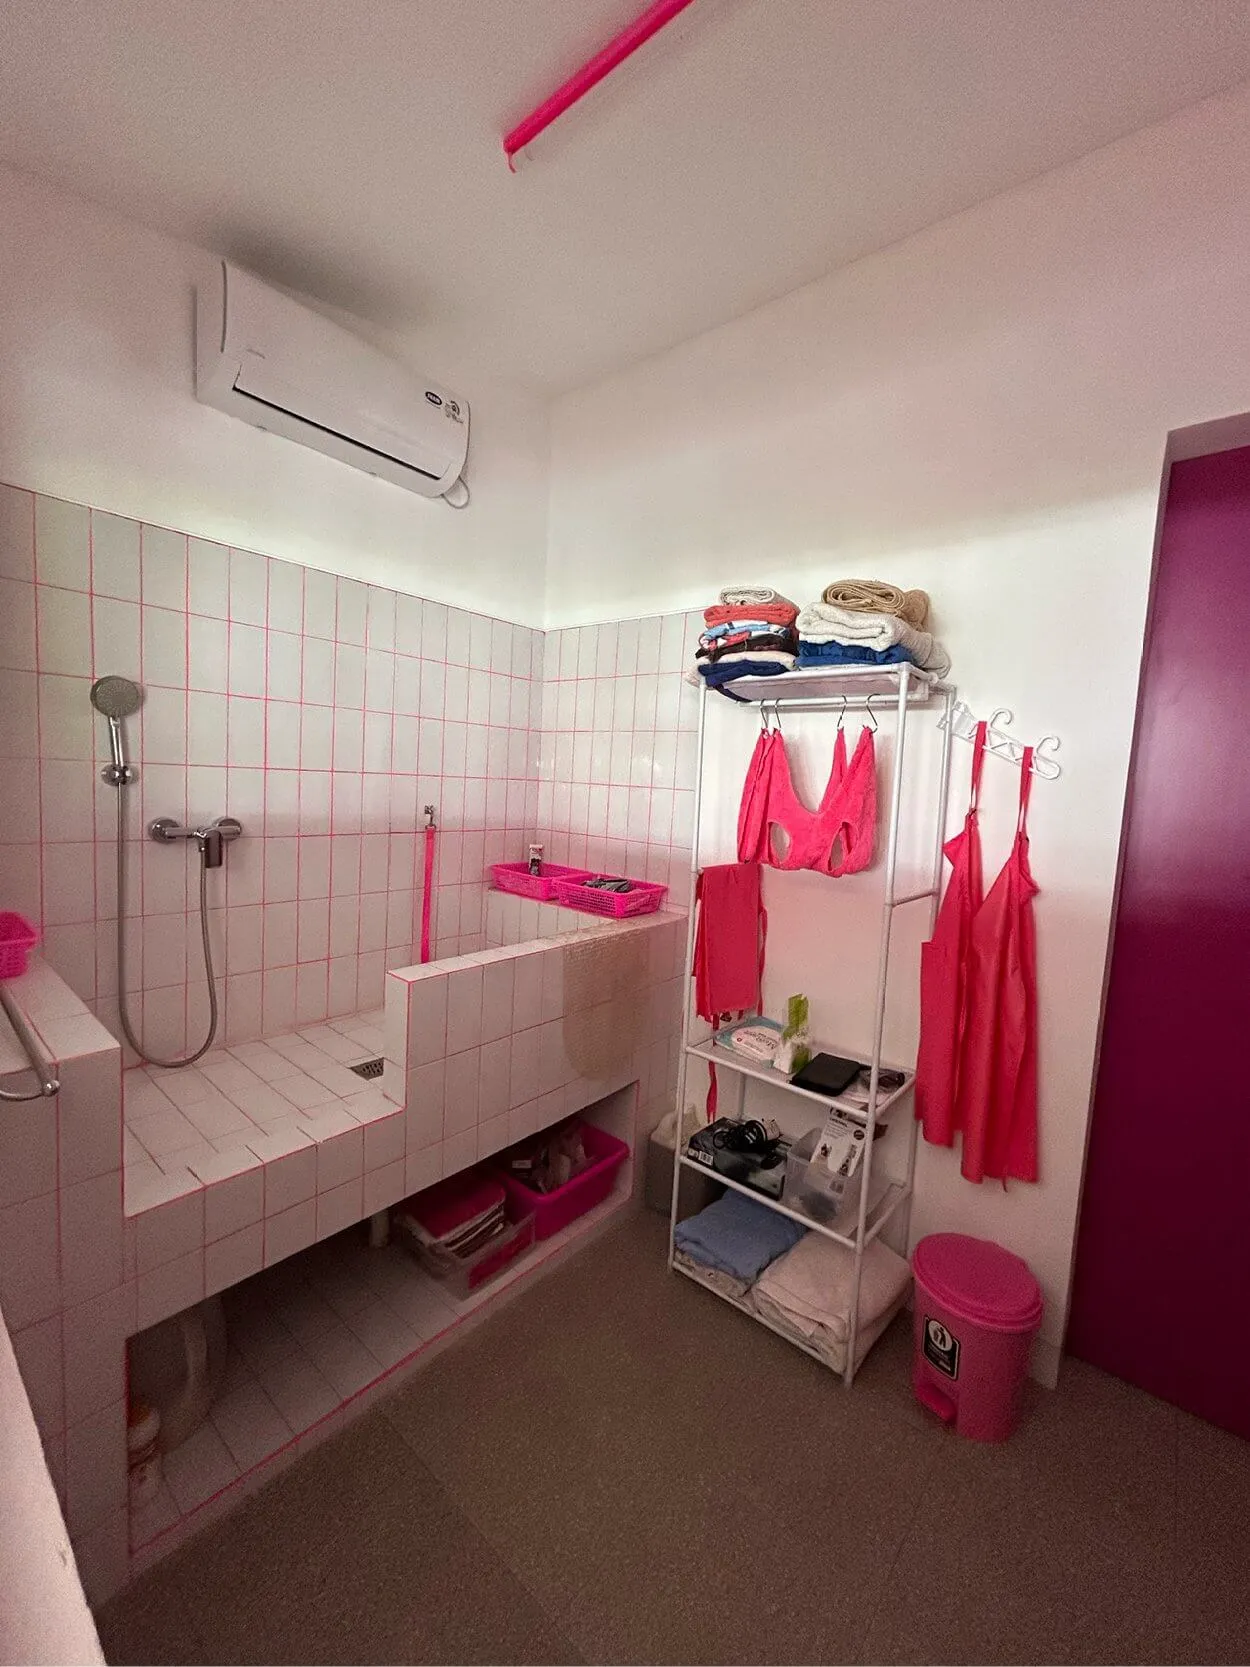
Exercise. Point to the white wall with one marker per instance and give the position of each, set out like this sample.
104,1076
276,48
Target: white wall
98,406
981,410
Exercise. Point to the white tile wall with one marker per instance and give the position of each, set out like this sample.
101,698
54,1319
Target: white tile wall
308,706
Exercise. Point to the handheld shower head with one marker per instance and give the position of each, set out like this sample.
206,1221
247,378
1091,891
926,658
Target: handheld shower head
116,698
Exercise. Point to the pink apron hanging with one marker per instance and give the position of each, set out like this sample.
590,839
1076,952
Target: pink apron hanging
944,975
998,1073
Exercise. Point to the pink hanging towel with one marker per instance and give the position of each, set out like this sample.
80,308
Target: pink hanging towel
944,975
998,1072
728,948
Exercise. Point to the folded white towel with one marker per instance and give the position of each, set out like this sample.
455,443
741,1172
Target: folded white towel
737,596
810,1286
829,1348
717,1278
823,622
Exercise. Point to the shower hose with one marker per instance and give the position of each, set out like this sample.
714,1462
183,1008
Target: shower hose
127,1031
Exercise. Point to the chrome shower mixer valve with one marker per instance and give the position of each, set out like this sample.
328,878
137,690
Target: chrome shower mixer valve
211,837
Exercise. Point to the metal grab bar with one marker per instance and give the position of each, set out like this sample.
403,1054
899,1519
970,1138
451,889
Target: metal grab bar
48,1084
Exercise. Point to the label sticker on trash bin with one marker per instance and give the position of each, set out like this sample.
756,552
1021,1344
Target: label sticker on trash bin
941,1348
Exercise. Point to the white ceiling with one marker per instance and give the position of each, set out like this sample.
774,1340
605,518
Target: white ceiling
350,149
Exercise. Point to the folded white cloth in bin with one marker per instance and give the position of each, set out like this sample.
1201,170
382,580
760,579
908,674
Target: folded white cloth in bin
809,1288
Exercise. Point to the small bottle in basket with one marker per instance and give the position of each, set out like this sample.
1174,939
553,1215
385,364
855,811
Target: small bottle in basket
536,860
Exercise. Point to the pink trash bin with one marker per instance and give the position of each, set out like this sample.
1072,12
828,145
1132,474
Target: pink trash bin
978,1308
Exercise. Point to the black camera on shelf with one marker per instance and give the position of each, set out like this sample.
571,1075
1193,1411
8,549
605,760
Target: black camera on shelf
747,1152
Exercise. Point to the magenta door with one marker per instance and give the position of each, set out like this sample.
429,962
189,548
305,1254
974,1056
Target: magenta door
1162,1287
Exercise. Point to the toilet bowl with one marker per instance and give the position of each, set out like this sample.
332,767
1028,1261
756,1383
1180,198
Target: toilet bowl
177,1367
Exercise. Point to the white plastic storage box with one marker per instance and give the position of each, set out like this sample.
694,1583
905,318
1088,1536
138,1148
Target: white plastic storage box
815,1189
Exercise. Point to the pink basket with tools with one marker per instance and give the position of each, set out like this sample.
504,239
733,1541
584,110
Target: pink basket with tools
551,1211
644,897
17,938
516,878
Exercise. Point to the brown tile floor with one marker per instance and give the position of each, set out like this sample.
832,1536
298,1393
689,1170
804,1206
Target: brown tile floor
617,1468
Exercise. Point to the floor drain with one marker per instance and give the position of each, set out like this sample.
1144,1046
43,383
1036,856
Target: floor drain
368,1068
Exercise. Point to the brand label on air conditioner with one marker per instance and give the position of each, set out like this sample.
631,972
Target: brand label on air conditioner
941,1349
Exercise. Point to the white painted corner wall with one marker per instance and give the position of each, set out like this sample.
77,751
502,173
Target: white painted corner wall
98,406
981,410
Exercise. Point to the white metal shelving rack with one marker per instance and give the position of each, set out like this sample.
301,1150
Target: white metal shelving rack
877,689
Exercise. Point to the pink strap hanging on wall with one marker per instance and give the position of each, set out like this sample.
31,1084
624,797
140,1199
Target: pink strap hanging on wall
427,893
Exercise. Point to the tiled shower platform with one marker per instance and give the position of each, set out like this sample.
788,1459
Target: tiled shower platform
251,1154
249,1098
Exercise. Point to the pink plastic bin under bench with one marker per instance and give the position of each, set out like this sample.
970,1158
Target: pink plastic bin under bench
554,1210
977,1311
516,878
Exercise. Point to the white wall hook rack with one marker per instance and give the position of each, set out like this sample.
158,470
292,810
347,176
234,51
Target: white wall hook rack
963,723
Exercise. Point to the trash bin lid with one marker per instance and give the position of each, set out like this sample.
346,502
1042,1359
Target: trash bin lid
979,1280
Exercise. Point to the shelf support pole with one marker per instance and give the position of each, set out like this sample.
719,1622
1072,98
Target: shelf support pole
687,994
878,1028
935,901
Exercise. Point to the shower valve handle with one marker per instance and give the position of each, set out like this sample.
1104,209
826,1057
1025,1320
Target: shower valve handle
211,838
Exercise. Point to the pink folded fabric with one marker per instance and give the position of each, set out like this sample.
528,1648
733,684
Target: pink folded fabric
729,941
771,613
728,948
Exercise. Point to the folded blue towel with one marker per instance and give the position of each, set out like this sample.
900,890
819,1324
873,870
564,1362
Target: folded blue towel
737,1236
717,674
850,654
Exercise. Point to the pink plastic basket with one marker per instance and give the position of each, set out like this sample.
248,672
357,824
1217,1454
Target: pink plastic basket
645,898
553,1210
17,938
516,878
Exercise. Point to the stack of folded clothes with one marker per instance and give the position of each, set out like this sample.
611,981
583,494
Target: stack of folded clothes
456,1216
861,622
748,633
729,1244
806,1294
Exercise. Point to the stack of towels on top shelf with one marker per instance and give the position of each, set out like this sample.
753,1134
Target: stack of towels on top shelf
748,633
862,622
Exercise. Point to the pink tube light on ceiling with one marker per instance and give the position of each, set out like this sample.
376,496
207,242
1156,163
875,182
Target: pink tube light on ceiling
593,71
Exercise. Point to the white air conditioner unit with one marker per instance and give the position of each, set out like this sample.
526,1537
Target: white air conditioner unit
282,367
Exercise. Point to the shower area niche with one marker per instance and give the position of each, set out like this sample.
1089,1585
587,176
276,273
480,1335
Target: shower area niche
224,846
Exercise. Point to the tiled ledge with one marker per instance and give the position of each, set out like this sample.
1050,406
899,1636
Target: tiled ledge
265,1148
246,1101
253,1153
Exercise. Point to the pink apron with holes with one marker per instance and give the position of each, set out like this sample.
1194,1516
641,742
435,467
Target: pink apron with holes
836,838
